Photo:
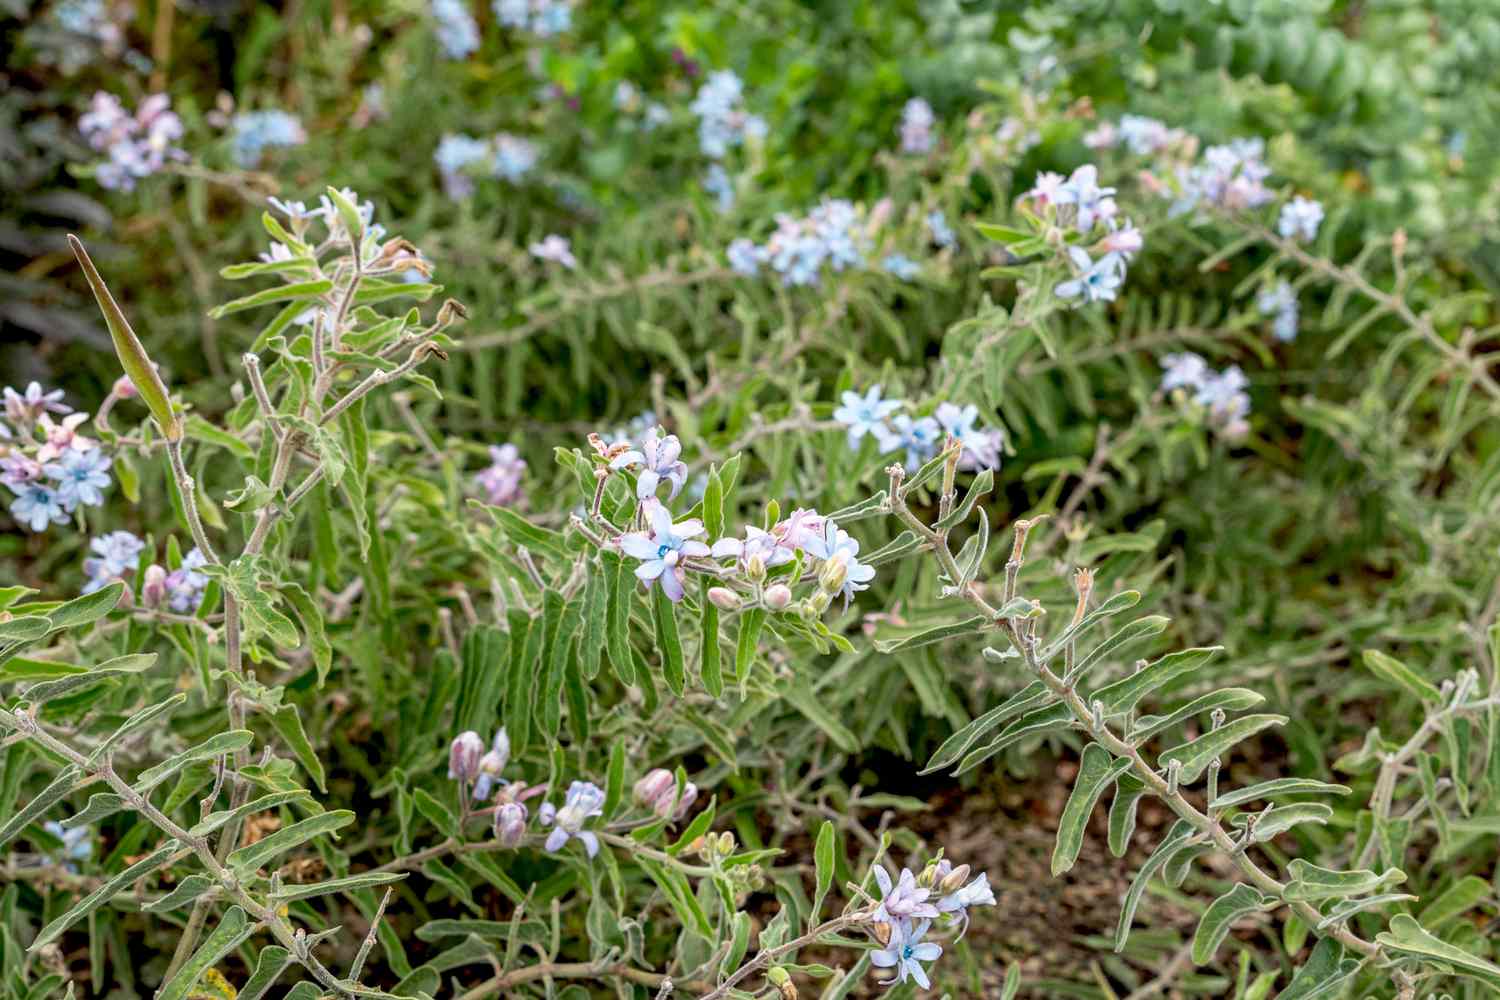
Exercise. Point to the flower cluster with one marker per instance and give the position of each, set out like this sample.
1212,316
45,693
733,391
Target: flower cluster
501,479
77,844
723,122
918,437
1141,135
50,466
1280,302
254,132
1221,394
916,127
543,18
457,31
136,145
478,771
181,589
114,556
1088,213
719,185
455,157
909,907
1231,176
831,235
1300,219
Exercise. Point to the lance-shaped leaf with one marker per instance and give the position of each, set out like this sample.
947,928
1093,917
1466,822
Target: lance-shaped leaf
1310,882
1324,974
187,891
25,628
1123,601
274,800
1196,755
875,506
1280,819
1220,916
668,642
1129,790
968,626
214,746
101,895
349,883
959,743
247,859
1275,788
1132,632
269,966
229,935
1124,694
1349,907
1096,770
1408,937
1401,675
109,670
133,358
1032,724
823,856
1176,839
67,779
982,484
1228,699
100,805
1467,892
288,722
299,291
143,717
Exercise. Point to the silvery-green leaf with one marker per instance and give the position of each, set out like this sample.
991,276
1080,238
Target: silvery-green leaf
1312,882
1196,755
1229,699
1407,936
184,892
101,895
1220,917
231,932
58,789
109,670
959,743
214,746
1275,788
349,883
1097,769
1176,840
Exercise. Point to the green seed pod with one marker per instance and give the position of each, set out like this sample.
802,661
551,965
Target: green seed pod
133,357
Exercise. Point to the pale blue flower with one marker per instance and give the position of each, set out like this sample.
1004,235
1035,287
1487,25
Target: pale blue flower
901,266
583,800
981,447
114,555
514,156
916,127
717,183
26,407
660,459
185,585
663,548
865,414
1097,281
457,31
253,132
1091,203
1280,302
745,257
81,477
1185,370
1300,219
37,505
938,229
919,437
903,899
78,844
723,122
456,153
906,952
491,765
556,249
835,545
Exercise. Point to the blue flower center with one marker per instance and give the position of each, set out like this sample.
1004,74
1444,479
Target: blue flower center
661,553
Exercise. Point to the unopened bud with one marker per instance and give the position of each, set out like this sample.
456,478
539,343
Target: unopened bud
835,573
777,596
726,843
154,586
657,783
464,755
123,388
664,802
723,598
817,603
954,880
881,932
755,567
929,876
510,824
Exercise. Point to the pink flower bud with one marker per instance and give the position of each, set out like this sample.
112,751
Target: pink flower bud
777,596
463,756
724,598
510,824
124,388
657,783
154,586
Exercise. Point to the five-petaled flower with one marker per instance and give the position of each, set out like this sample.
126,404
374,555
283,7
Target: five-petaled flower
865,414
662,549
906,952
659,459
903,899
584,799
836,546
